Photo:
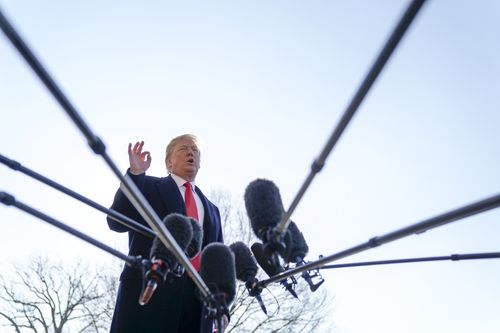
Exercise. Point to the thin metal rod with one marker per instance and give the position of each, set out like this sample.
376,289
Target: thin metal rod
10,200
95,143
117,216
363,89
417,228
47,80
453,257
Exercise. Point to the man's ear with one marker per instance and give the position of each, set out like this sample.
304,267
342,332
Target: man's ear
167,161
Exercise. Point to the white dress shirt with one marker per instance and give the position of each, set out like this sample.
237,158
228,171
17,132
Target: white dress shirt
199,205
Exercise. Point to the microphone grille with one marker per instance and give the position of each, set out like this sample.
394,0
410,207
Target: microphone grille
246,266
218,271
264,261
195,245
263,204
180,228
297,244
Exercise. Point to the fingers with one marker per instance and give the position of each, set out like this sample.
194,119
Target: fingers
146,156
135,152
139,160
137,149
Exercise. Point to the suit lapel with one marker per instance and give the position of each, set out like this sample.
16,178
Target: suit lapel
207,223
173,202
170,195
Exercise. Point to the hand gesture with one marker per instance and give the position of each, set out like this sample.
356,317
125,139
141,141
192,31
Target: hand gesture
139,160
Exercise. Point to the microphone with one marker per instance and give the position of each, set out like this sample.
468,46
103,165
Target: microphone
297,248
162,260
246,270
265,211
194,246
271,267
295,253
218,271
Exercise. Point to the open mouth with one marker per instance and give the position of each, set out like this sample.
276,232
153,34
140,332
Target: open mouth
190,160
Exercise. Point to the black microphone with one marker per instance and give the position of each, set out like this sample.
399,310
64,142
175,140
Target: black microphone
296,251
265,211
162,260
194,246
218,272
246,270
271,267
297,248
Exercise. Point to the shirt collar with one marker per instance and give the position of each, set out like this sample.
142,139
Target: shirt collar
180,181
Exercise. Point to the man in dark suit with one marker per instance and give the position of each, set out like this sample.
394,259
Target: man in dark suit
174,306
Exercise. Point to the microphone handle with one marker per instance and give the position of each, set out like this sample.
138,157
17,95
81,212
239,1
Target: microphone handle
148,291
250,284
261,303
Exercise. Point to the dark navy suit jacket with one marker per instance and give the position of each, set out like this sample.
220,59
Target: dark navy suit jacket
164,309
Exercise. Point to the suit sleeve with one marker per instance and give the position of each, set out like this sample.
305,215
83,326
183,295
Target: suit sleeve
123,205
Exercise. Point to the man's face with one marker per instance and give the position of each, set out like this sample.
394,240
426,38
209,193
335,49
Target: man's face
184,161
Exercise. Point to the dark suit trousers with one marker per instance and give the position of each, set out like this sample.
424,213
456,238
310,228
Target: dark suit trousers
174,308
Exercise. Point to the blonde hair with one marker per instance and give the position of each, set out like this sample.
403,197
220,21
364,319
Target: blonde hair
171,145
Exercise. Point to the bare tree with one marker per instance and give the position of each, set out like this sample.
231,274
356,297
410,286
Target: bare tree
309,313
234,221
52,297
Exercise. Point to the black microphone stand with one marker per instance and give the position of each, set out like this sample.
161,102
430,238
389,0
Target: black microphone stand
127,185
434,222
117,216
452,257
135,262
373,73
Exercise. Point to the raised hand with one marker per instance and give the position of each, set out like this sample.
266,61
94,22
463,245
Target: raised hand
139,160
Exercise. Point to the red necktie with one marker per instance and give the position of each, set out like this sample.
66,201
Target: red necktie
192,211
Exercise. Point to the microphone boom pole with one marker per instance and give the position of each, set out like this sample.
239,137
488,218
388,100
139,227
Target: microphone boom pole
10,200
418,228
378,65
96,144
117,216
453,257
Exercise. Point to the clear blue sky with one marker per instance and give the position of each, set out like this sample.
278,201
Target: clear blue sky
263,83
